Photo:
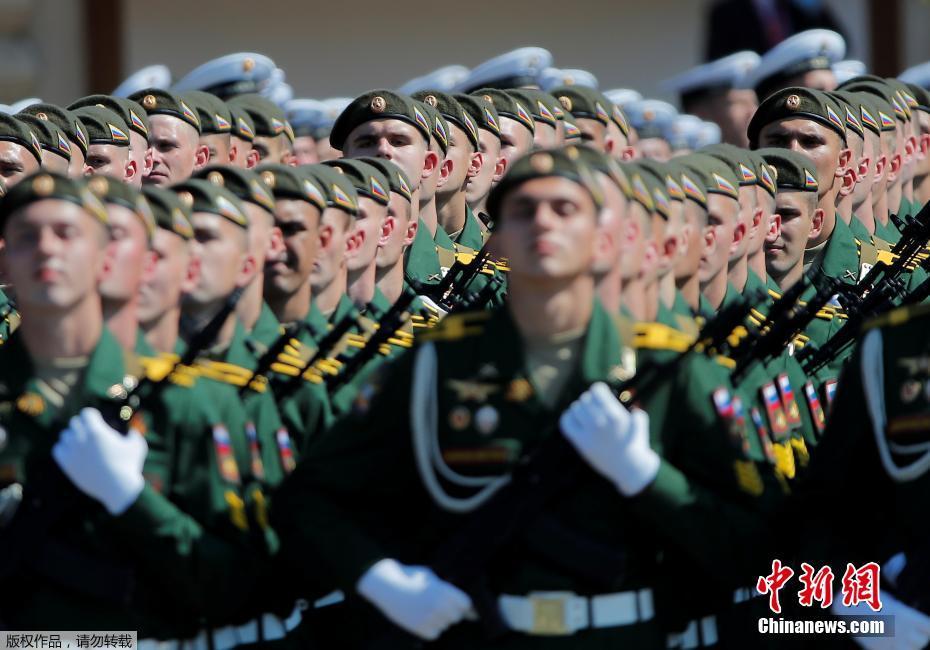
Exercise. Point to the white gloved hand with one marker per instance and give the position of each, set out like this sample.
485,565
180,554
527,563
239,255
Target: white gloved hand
614,441
414,598
911,627
431,304
101,462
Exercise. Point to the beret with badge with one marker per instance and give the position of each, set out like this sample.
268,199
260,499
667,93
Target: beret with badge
440,127
507,105
793,170
601,162
17,131
213,113
378,105
651,118
539,103
337,189
44,185
482,112
740,161
764,173
242,125
452,111
367,180
203,196
231,75
103,126
269,118
797,103
584,103
64,119
887,101
397,179
246,184
51,138
703,175
110,190
653,176
170,212
162,102
292,184
132,113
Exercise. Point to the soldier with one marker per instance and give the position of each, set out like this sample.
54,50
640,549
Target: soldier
305,116
494,165
516,125
651,119
56,152
590,110
107,144
514,69
70,126
922,169
216,124
135,118
274,139
638,254
804,59
20,151
546,124
174,137
241,138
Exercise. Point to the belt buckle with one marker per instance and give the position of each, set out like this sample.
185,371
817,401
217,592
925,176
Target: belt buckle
550,616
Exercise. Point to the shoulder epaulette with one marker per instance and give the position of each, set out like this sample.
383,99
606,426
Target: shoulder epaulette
656,336
156,369
458,326
898,316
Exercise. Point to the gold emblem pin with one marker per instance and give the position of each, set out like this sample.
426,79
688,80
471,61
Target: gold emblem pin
793,102
186,198
566,103
42,116
248,65
542,163
378,104
269,179
98,185
43,185
431,100
216,178
489,99
149,101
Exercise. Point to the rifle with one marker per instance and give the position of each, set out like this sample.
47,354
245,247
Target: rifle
51,494
272,353
536,479
779,310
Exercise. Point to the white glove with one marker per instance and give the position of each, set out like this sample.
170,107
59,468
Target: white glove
429,303
414,598
101,462
614,441
911,627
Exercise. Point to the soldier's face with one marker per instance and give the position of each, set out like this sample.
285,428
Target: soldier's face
461,153
549,230
367,230
263,236
275,149
401,234
731,111
787,250
393,140
335,227
593,132
864,168
15,163
479,185
218,146
55,163
299,222
654,149
747,208
76,166
129,253
161,290
821,144
305,150
695,218
516,140
722,216
221,248
546,136
55,255
242,148
634,242
174,146
325,151
106,159
613,218
139,152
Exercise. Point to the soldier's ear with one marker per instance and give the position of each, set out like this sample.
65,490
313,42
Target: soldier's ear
252,159
201,156
499,169
191,274
476,163
412,227
844,160
387,229
816,223
774,231
445,170
130,171
629,153
895,162
233,152
430,163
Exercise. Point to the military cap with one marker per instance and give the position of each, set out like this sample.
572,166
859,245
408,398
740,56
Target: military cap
16,130
569,126
793,170
20,104
507,105
397,179
852,109
653,177
439,126
921,97
280,93
875,96
903,94
794,103
713,77
622,96
103,126
918,75
367,180
683,132
337,189
379,105
814,49
307,117
246,184
583,102
764,172
601,162
170,212
43,185
110,190
520,67
132,113
162,102
553,77
539,103
703,174
710,134
650,117
242,125
847,69
50,136
203,196
565,163
213,113
153,76
673,187
444,79
888,95
269,119
739,160
289,183
454,113
481,111
64,119
639,189
230,75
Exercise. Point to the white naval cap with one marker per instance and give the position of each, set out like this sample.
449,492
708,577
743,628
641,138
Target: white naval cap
233,74
847,69
815,49
20,104
552,77
153,76
729,72
444,79
520,67
5,109
919,75
280,93
650,117
306,116
684,132
623,96
709,134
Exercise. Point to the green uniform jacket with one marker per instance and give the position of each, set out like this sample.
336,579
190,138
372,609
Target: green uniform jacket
9,318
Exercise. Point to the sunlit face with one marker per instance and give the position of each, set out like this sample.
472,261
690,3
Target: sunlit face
76,166
613,218
516,139
819,143
786,251
392,248
129,253
273,149
139,153
394,140
695,220
460,152
367,228
305,150
106,159
52,162
545,136
654,149
218,147
330,261
299,222
162,288
174,145
220,246
633,243
480,184
55,255
241,150
593,132
548,229
722,216
747,208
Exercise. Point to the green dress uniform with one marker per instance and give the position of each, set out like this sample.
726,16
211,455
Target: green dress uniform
358,496
9,318
266,330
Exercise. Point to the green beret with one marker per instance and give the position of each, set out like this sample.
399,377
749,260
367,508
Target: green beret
440,127
396,177
366,179
539,104
584,102
246,184
850,105
601,162
170,212
739,160
764,173
481,111
639,188
103,126
292,183
132,113
921,97
653,176
16,130
156,101
44,185
903,96
793,171
110,190
378,105
203,196
570,127
337,189
452,110
63,119
213,112
507,105
710,175
268,118
862,105
797,102
50,136
563,163
883,96
243,127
